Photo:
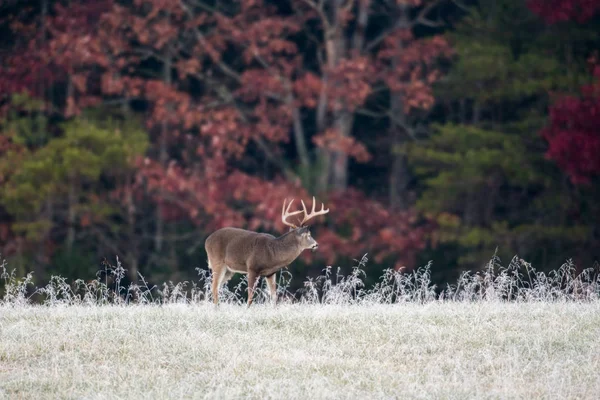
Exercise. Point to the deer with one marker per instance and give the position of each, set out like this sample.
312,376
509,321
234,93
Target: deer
234,250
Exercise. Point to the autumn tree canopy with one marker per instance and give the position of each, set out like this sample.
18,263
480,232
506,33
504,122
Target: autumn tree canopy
136,128
573,133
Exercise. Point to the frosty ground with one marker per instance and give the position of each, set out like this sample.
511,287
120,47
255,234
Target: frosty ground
436,350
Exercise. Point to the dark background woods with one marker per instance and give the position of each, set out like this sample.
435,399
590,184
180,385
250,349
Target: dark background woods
432,129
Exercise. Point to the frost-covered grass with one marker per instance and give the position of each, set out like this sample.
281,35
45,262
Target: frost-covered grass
436,350
518,282
503,332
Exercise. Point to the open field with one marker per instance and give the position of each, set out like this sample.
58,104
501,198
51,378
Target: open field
435,350
503,332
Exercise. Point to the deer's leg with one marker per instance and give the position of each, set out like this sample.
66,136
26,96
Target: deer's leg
217,279
272,287
252,280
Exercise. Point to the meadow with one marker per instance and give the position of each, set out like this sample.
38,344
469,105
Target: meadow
499,333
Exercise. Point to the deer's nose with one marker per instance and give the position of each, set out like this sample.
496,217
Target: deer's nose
315,247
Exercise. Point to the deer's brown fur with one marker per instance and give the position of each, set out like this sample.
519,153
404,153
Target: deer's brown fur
234,250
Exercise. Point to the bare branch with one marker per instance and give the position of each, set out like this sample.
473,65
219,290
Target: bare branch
421,17
430,23
371,113
401,23
205,7
225,94
461,5
362,21
319,9
287,172
222,66
379,38
407,128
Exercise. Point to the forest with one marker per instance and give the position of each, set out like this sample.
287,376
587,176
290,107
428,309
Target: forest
443,130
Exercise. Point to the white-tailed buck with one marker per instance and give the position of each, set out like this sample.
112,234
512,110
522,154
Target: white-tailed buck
233,250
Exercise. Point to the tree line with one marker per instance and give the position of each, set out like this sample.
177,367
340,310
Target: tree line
432,129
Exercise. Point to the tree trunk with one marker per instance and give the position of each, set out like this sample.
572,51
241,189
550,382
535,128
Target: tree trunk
300,141
41,261
300,138
132,248
344,118
399,174
463,110
42,44
339,165
476,112
324,156
335,164
399,179
71,215
163,158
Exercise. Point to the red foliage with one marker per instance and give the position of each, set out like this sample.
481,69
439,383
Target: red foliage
355,225
553,11
95,51
407,66
574,132
262,36
332,140
214,199
307,89
362,225
352,80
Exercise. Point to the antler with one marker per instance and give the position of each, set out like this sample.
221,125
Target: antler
312,214
285,213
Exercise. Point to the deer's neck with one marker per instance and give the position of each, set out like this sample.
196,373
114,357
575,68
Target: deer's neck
286,248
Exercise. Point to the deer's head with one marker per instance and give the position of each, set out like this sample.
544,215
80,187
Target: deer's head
305,239
302,232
